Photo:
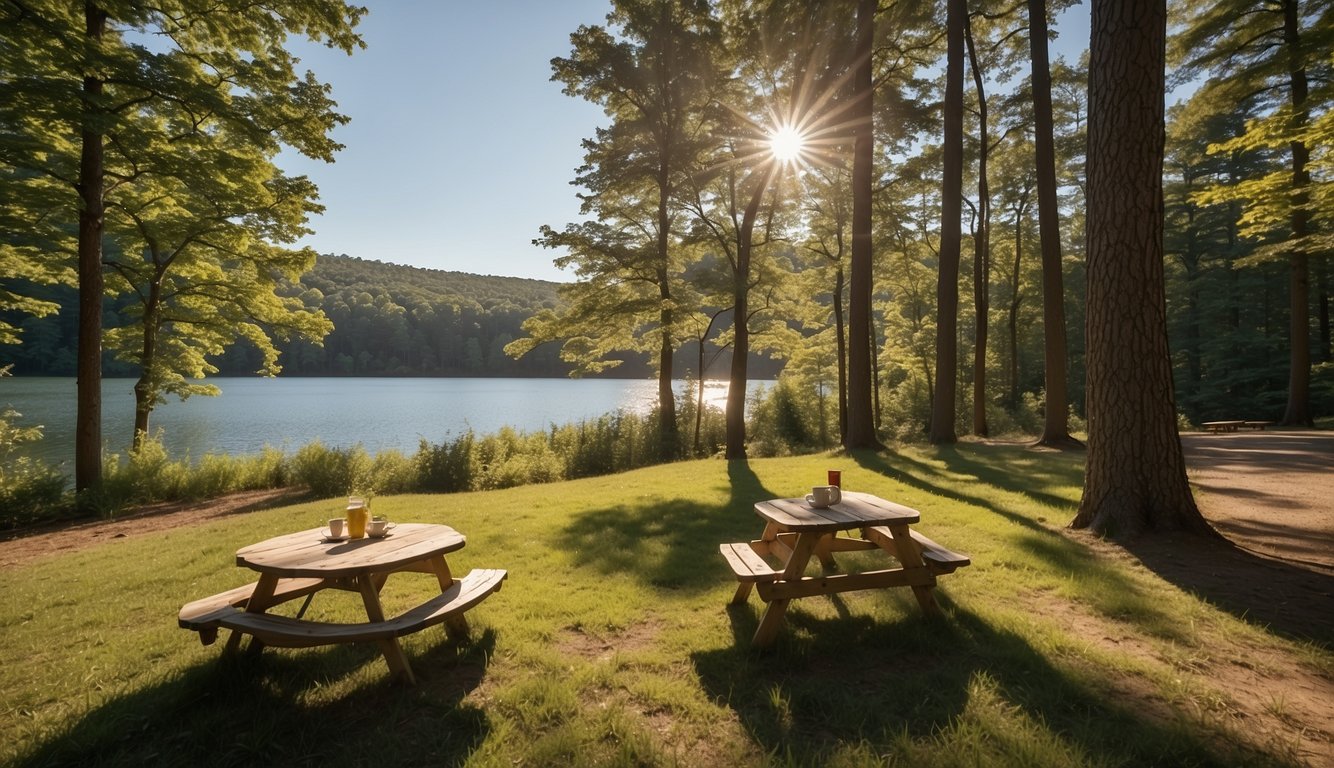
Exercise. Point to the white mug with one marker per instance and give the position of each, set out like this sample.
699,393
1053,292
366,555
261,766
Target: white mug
336,528
822,496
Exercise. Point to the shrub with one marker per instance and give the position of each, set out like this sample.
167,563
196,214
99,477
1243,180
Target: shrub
330,471
446,467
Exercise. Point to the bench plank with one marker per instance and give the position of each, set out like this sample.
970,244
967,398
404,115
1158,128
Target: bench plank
203,614
938,558
746,562
285,632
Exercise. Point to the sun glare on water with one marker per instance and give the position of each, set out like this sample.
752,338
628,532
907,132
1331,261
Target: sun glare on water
786,143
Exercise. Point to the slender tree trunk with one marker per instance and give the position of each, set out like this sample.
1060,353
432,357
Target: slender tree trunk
951,209
981,247
842,343
668,447
860,432
1056,425
1298,411
1016,299
1135,475
88,411
736,386
145,393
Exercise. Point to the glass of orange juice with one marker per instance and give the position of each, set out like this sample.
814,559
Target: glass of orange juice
357,515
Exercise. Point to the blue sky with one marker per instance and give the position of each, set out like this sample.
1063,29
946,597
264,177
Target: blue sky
460,147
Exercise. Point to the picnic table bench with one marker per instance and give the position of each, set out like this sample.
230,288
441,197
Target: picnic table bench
302,564
795,531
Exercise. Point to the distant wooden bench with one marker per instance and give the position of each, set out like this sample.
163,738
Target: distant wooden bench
287,632
203,615
1223,426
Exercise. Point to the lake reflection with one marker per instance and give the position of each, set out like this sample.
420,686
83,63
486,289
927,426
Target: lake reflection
286,413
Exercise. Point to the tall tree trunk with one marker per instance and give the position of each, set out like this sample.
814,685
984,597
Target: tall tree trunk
1056,426
668,447
145,393
88,411
842,344
981,246
951,209
1016,298
735,417
861,420
1135,475
1298,411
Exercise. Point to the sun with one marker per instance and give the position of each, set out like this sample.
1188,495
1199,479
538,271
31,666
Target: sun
787,143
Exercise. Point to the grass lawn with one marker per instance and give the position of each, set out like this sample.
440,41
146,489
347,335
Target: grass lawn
612,643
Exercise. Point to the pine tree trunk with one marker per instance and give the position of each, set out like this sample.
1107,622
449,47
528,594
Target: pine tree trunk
951,208
842,344
861,420
1135,476
1056,425
981,247
88,411
1298,411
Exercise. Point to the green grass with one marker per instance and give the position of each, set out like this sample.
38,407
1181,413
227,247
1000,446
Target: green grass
612,644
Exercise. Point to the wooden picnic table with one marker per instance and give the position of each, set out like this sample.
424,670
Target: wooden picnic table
795,531
301,564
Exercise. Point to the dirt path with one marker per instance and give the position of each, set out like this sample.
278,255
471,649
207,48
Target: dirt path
1270,492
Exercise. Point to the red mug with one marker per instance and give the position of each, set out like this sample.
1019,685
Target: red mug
836,477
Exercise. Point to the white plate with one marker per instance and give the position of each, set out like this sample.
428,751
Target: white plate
333,539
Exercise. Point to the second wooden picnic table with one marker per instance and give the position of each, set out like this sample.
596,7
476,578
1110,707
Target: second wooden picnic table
795,531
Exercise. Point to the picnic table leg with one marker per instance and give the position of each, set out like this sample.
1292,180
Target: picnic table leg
824,549
910,556
456,626
259,601
393,652
742,592
772,620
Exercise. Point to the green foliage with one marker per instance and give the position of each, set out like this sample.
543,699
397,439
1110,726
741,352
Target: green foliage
30,490
330,471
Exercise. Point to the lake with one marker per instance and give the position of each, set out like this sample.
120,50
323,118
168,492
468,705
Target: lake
287,413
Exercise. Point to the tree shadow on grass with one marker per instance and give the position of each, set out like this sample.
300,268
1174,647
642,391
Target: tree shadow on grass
1285,597
668,543
244,710
897,688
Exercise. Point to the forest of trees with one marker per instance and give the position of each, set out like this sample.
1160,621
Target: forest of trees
926,255
388,320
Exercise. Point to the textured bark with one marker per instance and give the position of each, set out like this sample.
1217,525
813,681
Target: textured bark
1056,425
735,416
1298,411
1135,476
88,410
861,420
981,246
951,207
842,343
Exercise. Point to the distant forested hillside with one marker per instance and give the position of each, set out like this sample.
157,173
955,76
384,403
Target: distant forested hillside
389,320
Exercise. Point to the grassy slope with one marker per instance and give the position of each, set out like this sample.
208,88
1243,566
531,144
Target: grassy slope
611,642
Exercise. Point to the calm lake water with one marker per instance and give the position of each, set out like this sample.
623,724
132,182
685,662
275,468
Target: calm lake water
289,413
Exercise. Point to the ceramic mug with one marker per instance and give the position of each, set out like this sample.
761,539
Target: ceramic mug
377,528
822,496
336,528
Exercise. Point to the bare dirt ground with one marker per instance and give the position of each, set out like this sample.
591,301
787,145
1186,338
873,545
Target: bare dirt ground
1270,494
